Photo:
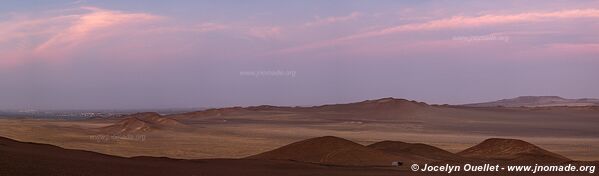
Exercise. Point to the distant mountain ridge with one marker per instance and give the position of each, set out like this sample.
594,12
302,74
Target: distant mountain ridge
538,101
384,108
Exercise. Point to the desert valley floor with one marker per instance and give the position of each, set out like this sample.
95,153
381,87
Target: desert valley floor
244,132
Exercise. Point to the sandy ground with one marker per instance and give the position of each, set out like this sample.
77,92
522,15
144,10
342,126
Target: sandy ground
19,158
244,135
236,133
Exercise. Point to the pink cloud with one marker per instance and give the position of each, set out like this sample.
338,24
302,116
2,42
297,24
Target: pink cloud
91,26
333,20
573,49
486,20
22,38
91,31
455,22
268,32
17,33
207,27
17,36
198,28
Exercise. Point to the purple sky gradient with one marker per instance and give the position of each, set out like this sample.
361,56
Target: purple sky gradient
138,54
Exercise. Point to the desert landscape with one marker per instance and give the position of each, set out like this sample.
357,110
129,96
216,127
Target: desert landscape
371,133
299,88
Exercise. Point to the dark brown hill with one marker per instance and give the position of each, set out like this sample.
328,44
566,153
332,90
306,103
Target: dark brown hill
385,109
330,150
415,152
25,159
389,102
30,159
510,150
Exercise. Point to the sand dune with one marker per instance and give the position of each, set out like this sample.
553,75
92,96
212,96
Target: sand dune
210,113
509,150
141,122
262,132
415,153
338,151
224,132
312,157
330,150
20,158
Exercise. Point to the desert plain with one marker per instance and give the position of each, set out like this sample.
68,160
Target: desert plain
239,132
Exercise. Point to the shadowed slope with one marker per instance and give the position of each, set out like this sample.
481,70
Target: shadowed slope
21,158
329,150
415,153
510,149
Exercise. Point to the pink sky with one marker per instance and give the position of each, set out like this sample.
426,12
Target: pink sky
143,37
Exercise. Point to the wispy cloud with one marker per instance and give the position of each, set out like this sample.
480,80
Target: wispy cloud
206,27
89,26
56,36
485,20
332,20
574,48
197,28
85,30
268,32
78,2
456,22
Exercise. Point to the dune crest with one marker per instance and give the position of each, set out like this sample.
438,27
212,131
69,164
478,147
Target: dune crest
141,122
338,151
510,149
416,151
329,150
